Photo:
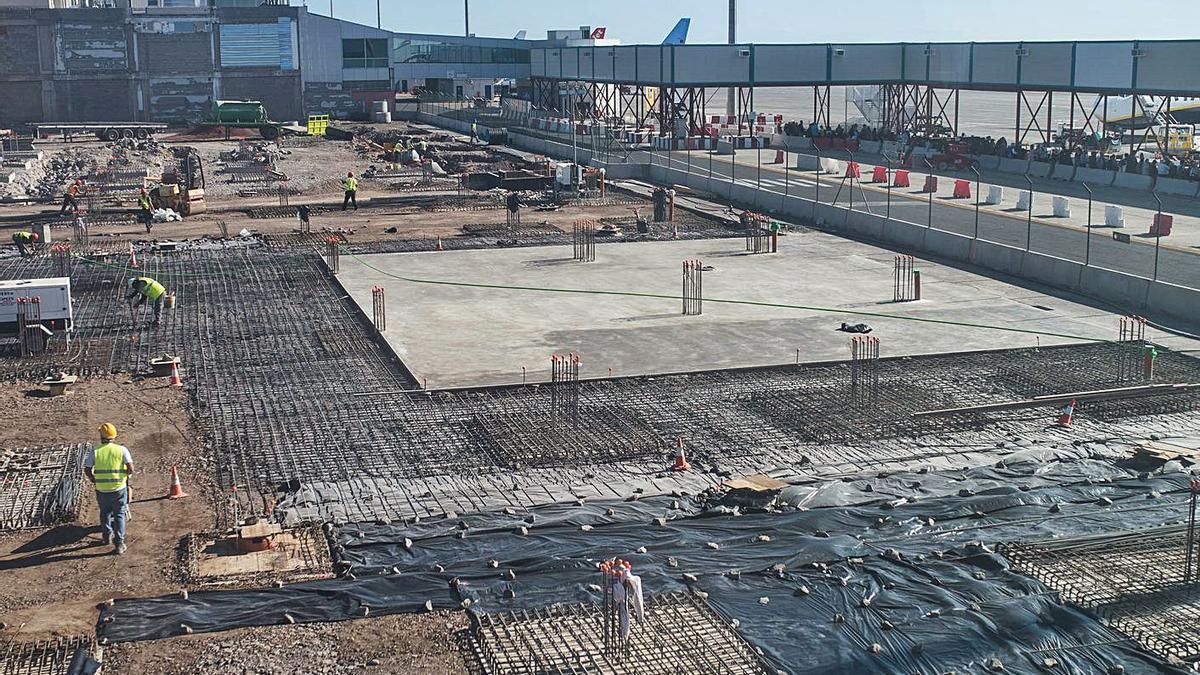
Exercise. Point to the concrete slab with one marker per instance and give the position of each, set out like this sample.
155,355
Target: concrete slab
485,335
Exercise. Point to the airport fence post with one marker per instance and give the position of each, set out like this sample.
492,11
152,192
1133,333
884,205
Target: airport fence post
929,220
851,175
1087,248
978,197
1029,215
732,172
1157,232
817,196
785,172
758,144
888,160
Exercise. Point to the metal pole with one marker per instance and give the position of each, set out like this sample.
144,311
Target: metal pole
848,171
758,180
1157,230
817,198
1087,251
1029,216
378,15
889,187
730,93
929,221
978,198
467,18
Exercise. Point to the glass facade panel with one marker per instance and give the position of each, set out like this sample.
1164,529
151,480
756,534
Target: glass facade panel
365,53
437,51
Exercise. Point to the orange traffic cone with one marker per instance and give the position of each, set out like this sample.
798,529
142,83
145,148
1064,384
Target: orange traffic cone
439,245
1065,415
132,256
176,491
175,379
681,463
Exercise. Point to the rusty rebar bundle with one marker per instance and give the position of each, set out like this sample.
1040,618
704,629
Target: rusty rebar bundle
614,602
864,371
584,238
378,308
62,258
693,287
1135,363
906,285
564,387
332,252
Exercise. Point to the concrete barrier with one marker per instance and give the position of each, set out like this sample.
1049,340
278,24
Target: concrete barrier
807,162
995,195
1024,200
1112,216
1050,270
1132,181
998,257
1018,166
988,162
1176,186
948,244
1094,176
1062,207
905,234
1176,301
1064,172
1118,288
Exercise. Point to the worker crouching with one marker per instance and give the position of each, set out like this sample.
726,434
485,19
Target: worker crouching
145,288
109,467
24,241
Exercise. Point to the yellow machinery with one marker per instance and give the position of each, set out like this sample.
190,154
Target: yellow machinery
182,186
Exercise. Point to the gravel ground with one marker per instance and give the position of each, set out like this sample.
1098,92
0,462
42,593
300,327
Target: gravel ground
405,643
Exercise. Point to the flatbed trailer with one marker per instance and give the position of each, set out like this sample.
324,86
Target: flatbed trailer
105,131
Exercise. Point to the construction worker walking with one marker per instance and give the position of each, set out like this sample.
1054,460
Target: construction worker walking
351,185
24,240
146,210
144,288
109,467
474,133
71,196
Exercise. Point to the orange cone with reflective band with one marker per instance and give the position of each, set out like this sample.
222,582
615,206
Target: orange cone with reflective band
176,491
175,379
681,463
132,256
1065,415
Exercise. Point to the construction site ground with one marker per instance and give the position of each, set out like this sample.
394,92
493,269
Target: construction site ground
832,497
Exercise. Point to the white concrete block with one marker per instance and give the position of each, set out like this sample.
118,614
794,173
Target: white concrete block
1062,207
995,194
1024,200
1112,216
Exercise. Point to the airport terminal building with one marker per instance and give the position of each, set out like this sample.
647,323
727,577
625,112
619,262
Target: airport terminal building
169,63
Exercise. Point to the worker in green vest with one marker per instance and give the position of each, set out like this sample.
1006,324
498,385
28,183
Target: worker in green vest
24,240
145,288
351,185
474,133
109,467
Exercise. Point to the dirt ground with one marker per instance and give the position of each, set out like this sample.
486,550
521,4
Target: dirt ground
53,578
408,643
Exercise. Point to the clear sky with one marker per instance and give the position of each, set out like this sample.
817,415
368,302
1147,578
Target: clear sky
648,21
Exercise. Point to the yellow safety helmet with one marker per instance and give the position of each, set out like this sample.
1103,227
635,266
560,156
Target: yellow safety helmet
108,431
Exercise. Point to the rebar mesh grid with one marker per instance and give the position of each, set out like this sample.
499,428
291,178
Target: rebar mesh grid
40,486
682,634
43,657
1134,581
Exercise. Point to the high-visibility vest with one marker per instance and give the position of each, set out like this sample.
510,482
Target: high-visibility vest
22,237
73,190
144,202
351,184
109,468
151,288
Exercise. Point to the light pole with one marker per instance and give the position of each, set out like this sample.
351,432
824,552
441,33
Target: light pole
1087,250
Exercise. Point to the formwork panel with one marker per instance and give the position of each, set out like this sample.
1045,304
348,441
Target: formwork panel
705,64
1162,67
950,62
1047,64
995,63
866,63
791,63
1104,65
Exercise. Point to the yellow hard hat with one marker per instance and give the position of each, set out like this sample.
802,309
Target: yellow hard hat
108,431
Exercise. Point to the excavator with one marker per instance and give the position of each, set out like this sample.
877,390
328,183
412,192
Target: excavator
182,187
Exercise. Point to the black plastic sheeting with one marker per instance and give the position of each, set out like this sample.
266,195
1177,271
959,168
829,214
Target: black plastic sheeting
916,577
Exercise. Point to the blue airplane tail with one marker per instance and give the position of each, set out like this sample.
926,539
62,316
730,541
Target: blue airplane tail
678,34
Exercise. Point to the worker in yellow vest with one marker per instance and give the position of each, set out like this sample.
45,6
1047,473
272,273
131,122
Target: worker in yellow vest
109,467
24,240
474,133
351,185
145,288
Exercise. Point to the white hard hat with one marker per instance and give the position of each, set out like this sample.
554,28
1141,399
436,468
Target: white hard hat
131,282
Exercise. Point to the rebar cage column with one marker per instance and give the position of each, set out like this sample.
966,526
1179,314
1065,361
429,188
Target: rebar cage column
906,281
564,388
693,287
584,238
332,254
379,308
864,371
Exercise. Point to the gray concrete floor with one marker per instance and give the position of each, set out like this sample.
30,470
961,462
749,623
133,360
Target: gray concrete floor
468,336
